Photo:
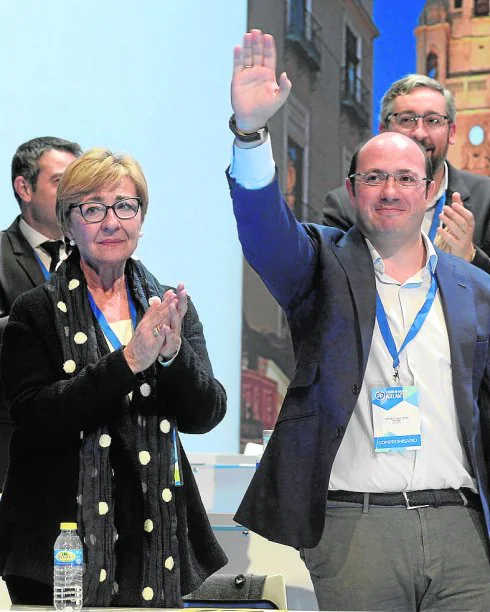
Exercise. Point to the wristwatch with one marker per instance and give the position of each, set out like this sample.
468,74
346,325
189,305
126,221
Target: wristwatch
260,134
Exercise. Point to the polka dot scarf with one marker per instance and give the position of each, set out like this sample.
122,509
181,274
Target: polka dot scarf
160,582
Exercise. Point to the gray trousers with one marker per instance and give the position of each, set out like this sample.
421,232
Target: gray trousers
391,558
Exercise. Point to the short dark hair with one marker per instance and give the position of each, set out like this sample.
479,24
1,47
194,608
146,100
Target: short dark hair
26,158
353,163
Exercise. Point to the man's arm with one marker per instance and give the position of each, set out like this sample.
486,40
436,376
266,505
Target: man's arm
275,244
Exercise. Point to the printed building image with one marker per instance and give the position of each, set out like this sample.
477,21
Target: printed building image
326,48
453,46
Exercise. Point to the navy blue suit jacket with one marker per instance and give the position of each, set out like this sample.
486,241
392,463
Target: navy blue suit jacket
324,280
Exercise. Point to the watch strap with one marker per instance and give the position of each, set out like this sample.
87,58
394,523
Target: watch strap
247,136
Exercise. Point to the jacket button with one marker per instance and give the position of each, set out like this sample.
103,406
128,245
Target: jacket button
356,389
340,431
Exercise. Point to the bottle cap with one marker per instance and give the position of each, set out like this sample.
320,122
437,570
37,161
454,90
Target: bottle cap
68,526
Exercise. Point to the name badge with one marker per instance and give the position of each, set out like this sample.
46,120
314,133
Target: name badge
396,419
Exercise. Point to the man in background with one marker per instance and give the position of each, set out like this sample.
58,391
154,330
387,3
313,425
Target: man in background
424,110
32,246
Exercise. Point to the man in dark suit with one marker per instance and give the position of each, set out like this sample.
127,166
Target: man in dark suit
33,244
377,467
424,110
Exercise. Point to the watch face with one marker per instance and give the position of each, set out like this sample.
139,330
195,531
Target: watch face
476,135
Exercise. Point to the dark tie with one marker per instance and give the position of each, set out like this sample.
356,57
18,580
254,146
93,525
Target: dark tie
52,248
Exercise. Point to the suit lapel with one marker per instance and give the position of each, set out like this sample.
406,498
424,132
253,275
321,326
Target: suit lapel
24,256
354,257
459,312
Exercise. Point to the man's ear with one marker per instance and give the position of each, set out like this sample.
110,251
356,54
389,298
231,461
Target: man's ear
452,134
431,188
350,191
23,188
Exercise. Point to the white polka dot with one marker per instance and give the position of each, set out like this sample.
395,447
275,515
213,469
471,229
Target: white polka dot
135,257
80,338
148,525
105,440
69,366
147,593
166,495
62,306
145,389
165,426
103,508
169,563
81,435
73,284
144,457
102,575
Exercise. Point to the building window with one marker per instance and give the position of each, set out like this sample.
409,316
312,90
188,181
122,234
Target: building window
432,65
481,8
352,65
458,4
294,170
355,98
304,31
294,178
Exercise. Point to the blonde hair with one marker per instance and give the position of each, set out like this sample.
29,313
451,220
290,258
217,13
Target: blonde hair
97,168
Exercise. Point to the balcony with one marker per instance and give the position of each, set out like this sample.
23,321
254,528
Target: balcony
355,98
304,33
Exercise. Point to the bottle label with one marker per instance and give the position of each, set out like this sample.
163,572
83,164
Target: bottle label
65,557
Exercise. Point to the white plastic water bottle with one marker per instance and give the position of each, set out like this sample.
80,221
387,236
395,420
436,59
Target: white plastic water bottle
266,436
68,569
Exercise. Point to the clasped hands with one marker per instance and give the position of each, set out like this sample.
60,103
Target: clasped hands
158,332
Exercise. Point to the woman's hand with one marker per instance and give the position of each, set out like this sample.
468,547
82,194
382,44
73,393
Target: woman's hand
170,327
158,332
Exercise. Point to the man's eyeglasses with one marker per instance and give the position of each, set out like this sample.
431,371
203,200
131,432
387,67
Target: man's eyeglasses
407,121
405,179
95,212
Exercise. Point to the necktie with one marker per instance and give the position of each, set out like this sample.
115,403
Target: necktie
52,248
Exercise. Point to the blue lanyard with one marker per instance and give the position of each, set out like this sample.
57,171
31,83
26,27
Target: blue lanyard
412,332
435,219
44,270
106,328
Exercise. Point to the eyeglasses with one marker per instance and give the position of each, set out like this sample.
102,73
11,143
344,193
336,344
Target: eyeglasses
405,179
407,121
95,212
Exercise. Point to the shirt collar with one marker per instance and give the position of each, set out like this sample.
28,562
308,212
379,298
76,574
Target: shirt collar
430,261
33,237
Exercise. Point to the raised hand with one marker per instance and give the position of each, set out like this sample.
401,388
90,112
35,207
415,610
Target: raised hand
459,225
255,93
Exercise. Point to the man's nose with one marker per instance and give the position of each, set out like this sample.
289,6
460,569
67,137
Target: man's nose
390,188
420,131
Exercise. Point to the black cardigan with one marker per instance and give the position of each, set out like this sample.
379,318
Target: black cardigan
49,410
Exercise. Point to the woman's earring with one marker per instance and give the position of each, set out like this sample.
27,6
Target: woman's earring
140,233
72,242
